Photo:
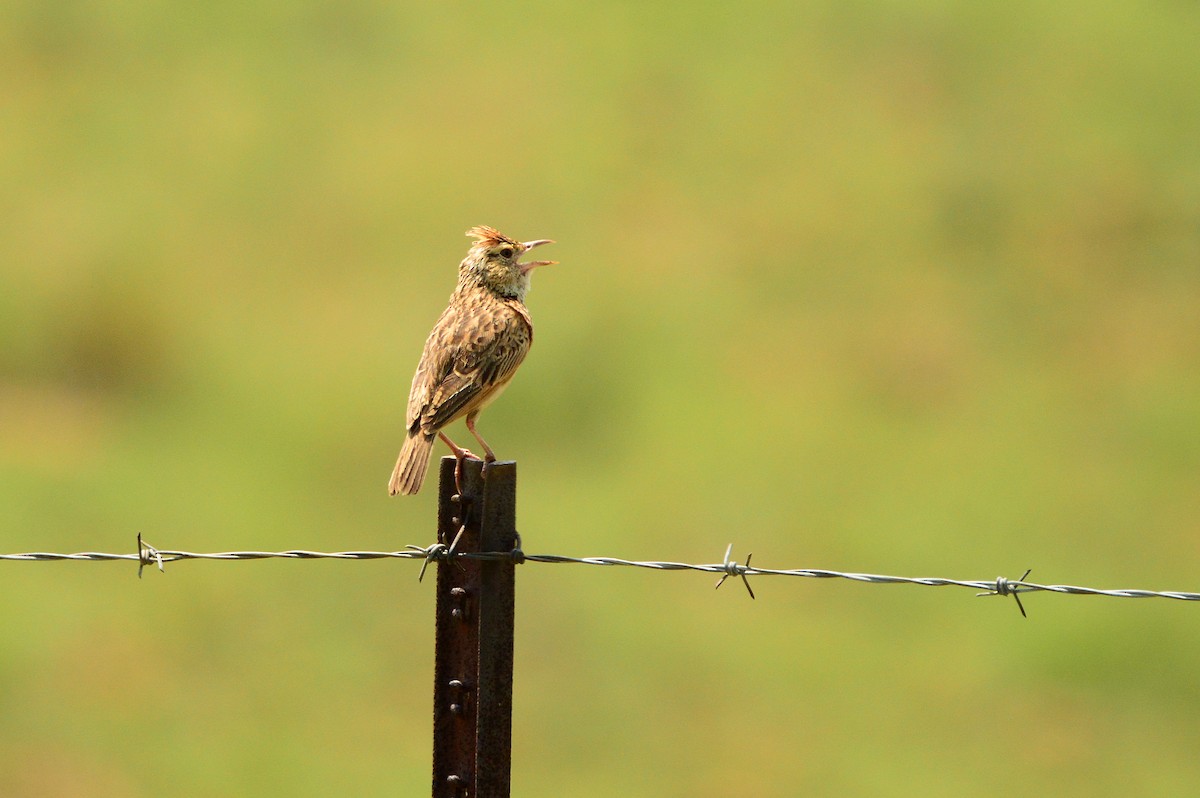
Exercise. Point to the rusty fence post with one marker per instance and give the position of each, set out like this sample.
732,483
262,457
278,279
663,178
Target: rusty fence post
473,659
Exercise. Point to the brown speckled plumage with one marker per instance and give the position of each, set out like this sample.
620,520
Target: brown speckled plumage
471,354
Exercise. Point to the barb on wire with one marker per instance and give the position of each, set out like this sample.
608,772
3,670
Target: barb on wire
733,569
1006,588
147,555
432,552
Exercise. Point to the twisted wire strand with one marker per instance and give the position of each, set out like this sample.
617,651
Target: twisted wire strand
990,586
168,555
1001,586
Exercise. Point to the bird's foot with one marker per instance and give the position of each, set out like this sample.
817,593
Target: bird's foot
487,461
458,465
458,461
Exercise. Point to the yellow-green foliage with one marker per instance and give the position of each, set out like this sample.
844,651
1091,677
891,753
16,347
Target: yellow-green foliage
892,287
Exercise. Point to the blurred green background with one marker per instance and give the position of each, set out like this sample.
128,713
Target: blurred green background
905,288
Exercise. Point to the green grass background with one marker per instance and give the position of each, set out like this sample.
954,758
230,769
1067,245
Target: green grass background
905,288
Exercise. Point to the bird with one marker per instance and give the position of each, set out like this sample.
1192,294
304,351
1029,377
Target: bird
471,354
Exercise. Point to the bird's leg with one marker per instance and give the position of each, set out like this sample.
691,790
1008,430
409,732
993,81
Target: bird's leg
489,456
460,454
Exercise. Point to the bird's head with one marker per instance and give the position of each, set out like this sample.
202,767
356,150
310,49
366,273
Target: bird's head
494,261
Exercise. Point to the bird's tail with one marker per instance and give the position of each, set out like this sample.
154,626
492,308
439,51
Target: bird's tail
412,465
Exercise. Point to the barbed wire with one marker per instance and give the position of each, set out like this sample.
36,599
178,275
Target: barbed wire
1000,586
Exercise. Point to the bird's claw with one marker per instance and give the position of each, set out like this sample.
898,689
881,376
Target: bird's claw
458,475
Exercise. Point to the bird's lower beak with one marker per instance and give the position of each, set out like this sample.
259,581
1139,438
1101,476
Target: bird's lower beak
533,264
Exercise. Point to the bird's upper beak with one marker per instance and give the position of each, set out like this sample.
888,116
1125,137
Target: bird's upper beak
527,266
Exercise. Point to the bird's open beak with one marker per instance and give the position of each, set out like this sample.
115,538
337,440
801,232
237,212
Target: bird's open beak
533,264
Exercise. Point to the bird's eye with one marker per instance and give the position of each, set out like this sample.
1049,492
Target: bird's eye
506,252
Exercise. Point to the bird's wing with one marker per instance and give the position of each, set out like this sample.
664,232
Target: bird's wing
436,362
470,352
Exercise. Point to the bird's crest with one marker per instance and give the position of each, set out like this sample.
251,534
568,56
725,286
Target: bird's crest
489,237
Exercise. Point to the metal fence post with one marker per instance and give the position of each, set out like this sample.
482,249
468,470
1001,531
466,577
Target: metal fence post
473,659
